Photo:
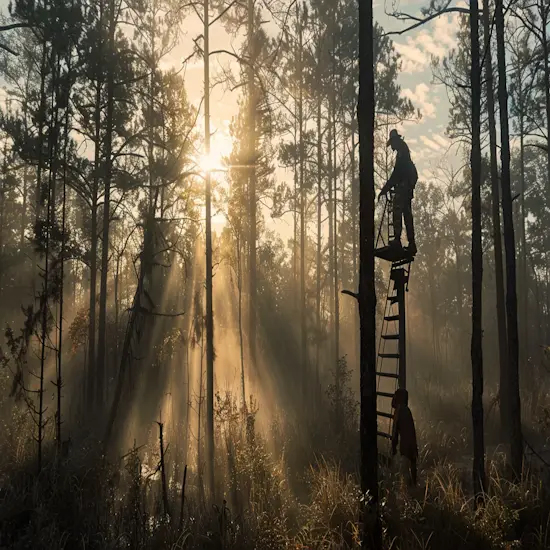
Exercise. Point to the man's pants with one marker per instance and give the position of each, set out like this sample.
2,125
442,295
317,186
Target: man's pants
407,468
402,208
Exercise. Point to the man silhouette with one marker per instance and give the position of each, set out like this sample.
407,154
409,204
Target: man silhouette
403,179
404,433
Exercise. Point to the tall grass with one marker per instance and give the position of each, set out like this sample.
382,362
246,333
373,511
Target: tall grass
84,502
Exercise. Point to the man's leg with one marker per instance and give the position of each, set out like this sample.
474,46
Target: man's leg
397,217
409,225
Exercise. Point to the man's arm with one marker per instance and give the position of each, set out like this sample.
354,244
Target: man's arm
390,184
397,174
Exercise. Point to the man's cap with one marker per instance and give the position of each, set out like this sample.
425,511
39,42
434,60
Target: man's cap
393,135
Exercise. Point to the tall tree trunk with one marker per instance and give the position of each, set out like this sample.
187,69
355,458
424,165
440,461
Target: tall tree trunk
252,335
303,198
2,215
333,185
59,381
50,223
92,303
497,240
295,215
516,438
524,283
116,293
23,223
319,262
335,255
545,52
330,266
209,307
108,160
91,384
240,314
371,528
354,232
477,261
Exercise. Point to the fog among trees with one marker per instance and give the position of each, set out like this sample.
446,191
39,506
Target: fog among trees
204,326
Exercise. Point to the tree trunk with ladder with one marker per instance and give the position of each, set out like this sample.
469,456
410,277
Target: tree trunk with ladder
371,535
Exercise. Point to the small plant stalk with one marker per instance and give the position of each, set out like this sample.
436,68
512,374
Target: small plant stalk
182,502
163,472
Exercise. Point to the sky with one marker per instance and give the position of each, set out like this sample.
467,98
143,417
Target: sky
426,137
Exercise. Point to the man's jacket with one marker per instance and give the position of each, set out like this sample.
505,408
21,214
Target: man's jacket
404,175
404,432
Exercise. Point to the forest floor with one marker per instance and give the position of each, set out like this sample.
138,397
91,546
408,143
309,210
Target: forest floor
294,498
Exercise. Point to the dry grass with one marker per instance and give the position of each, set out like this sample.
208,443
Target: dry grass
86,503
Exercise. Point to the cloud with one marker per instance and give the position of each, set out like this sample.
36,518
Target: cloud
441,140
435,39
430,143
420,99
413,59
445,30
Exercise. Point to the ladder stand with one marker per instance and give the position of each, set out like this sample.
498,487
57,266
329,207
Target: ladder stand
391,368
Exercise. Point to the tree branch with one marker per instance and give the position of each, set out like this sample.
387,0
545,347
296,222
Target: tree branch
420,22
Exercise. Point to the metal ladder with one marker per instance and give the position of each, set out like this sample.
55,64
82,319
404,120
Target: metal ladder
391,371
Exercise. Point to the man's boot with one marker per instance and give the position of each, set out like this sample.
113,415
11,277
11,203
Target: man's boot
395,243
411,249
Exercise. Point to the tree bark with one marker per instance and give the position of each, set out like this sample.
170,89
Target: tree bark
303,198
497,240
253,284
93,243
371,526
516,439
331,262
524,280
545,52
23,225
319,262
209,310
477,261
107,176
335,255
354,232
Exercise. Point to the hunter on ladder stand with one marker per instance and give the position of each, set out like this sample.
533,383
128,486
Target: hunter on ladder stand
402,180
391,369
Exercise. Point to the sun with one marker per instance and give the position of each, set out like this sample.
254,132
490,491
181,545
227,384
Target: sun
211,162
221,145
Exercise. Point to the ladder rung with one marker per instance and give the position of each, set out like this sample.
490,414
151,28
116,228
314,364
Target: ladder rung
390,336
392,299
391,318
388,375
385,415
383,434
389,355
384,394
405,261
